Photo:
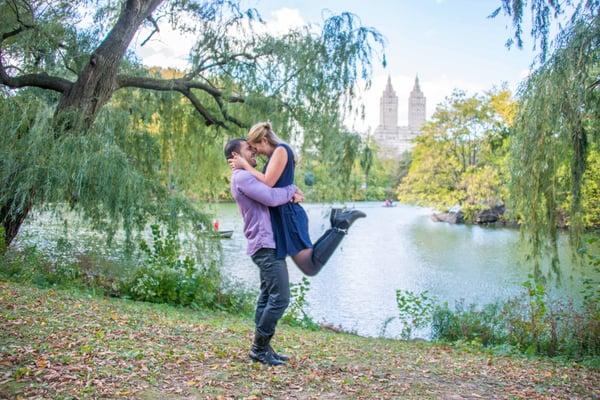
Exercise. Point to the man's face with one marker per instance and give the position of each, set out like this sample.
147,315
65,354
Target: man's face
248,153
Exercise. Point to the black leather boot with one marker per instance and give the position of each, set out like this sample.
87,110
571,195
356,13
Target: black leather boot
343,219
259,352
332,215
281,357
324,248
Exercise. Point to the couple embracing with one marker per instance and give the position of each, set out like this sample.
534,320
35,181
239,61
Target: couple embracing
276,226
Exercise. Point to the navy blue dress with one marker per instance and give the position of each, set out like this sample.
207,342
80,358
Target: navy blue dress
289,221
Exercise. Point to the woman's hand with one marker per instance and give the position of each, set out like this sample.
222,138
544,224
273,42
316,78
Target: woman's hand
238,162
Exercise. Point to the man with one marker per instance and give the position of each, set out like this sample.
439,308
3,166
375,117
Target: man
253,199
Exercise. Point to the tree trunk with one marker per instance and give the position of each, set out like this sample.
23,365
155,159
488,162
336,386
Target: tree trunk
12,223
97,81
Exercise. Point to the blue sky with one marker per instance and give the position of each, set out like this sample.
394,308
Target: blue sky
448,43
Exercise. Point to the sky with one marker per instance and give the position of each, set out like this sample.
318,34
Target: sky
449,44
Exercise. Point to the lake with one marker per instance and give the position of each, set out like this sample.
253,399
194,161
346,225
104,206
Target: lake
400,248
393,248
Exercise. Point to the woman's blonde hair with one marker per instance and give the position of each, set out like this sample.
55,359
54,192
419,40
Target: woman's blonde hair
263,130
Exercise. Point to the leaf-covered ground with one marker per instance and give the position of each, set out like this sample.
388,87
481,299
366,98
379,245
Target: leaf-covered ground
58,344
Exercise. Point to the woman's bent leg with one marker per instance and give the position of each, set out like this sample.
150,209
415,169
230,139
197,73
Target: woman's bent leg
310,261
304,261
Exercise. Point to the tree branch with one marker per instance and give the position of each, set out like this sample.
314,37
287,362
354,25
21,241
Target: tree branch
173,84
153,32
226,115
201,67
208,117
14,32
185,87
41,80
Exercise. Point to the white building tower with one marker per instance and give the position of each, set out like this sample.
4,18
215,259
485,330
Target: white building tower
416,107
388,107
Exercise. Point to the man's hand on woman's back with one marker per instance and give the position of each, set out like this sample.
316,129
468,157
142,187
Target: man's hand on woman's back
298,196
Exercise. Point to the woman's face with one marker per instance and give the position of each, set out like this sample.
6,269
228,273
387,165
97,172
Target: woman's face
262,147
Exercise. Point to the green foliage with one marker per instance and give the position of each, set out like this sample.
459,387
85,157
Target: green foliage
167,277
98,174
590,191
591,257
467,323
532,324
553,132
543,12
296,314
161,275
414,310
460,156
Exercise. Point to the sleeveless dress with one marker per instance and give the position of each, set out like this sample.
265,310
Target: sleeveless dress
289,221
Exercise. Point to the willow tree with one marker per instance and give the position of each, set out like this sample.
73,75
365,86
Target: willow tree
80,52
557,120
556,124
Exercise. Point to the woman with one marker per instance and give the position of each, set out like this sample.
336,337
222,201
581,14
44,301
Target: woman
289,221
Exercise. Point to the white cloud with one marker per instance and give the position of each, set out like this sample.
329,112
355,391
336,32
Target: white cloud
166,48
284,20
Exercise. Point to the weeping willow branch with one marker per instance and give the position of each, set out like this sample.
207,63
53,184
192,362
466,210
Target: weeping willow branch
551,135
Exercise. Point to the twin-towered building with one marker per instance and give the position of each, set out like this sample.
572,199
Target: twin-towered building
392,139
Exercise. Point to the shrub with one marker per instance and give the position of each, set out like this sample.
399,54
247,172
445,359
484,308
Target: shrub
167,277
164,276
468,323
531,323
296,314
414,310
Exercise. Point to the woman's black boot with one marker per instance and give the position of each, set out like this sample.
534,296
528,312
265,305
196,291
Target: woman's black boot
260,353
343,219
324,248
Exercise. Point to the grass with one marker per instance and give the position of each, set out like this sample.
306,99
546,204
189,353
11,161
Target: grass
66,344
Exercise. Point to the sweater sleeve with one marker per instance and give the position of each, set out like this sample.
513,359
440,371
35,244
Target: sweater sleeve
258,191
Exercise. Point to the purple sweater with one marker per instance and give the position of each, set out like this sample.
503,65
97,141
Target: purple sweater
254,199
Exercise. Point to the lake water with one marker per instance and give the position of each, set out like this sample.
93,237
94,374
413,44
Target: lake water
400,248
393,248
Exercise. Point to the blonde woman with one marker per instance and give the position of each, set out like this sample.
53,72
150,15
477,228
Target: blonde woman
289,221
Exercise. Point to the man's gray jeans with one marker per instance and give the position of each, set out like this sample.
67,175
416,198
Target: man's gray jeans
274,291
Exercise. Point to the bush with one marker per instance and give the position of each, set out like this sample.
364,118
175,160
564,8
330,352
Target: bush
167,277
296,314
29,265
468,324
531,324
414,310
163,277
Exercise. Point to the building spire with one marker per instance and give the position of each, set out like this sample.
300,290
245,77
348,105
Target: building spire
388,87
416,87
416,107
